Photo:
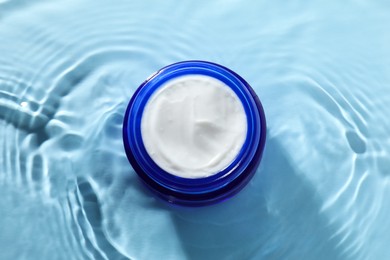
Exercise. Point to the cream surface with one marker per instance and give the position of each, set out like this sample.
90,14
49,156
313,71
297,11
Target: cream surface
194,126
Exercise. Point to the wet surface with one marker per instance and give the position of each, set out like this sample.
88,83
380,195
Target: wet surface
68,69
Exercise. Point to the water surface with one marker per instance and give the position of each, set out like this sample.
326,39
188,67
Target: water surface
68,69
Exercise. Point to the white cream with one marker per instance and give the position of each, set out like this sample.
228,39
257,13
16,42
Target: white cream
193,126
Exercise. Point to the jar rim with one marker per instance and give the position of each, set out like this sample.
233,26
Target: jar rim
197,191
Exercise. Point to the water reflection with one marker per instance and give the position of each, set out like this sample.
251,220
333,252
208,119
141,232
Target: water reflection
68,69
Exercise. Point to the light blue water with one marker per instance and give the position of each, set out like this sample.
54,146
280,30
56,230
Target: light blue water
68,69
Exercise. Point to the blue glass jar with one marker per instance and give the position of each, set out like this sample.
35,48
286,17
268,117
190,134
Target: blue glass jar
200,191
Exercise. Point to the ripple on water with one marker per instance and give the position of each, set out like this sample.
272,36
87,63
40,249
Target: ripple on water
89,221
66,76
355,142
330,134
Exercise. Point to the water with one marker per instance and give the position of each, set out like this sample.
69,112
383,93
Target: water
68,69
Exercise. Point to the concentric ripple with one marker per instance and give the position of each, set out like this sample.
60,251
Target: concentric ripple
68,69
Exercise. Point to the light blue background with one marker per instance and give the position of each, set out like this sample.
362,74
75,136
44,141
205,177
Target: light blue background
68,69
